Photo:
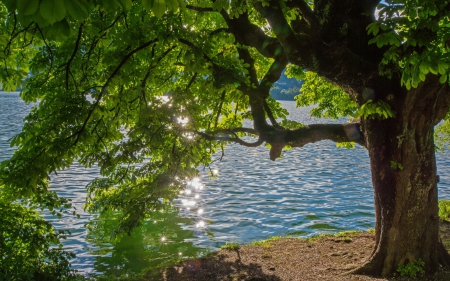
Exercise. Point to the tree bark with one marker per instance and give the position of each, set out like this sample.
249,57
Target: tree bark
404,179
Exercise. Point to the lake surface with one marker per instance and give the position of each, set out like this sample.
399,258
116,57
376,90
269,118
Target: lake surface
315,189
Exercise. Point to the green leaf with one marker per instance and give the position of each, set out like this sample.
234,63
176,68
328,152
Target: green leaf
27,7
424,67
78,9
182,5
148,4
11,5
443,79
53,10
172,5
159,8
126,4
373,28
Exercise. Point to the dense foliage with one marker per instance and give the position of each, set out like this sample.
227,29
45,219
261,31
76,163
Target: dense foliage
151,90
30,247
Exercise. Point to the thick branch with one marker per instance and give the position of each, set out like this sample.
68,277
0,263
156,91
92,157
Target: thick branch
249,34
349,132
313,133
273,74
212,137
199,9
280,26
233,131
270,115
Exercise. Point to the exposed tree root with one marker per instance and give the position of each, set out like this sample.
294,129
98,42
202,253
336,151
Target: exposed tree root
443,255
371,269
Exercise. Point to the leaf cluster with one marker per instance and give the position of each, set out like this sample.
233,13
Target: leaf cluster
411,269
30,247
378,109
444,210
415,36
330,100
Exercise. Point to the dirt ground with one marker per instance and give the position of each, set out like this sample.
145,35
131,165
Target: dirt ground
289,259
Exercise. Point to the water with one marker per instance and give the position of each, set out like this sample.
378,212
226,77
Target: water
315,189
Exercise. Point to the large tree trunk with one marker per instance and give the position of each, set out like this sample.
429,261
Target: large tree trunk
403,165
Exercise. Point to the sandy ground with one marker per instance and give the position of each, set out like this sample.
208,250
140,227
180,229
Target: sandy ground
288,259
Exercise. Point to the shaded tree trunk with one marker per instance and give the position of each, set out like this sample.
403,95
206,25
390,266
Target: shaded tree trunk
403,165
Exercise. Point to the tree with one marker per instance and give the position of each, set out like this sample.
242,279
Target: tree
149,90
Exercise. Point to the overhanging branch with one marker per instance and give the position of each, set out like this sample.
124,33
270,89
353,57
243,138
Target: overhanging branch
349,132
249,34
211,136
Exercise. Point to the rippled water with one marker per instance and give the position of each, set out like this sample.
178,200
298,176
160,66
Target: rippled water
315,189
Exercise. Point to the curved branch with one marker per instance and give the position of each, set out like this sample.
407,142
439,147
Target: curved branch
273,74
232,139
270,115
249,34
105,86
199,9
190,44
75,50
217,31
349,132
233,131
284,32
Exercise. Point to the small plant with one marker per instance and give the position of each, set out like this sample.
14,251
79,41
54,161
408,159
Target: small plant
266,243
396,165
371,230
411,269
444,210
230,246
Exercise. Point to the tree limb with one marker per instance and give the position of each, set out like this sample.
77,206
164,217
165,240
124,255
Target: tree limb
270,115
105,86
349,132
211,137
249,34
75,50
199,9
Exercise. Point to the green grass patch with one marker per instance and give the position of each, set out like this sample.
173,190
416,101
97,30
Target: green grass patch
266,243
230,246
444,210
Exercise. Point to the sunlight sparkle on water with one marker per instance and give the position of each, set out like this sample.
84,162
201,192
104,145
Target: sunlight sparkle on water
188,203
200,224
215,171
163,239
200,211
196,196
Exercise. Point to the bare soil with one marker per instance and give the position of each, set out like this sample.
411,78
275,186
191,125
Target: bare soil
289,259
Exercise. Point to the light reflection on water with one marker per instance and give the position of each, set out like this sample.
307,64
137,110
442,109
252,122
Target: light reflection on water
314,189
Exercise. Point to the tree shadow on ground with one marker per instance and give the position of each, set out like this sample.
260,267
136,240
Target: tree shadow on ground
216,268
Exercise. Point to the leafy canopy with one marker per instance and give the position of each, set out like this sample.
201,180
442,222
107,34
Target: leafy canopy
149,90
